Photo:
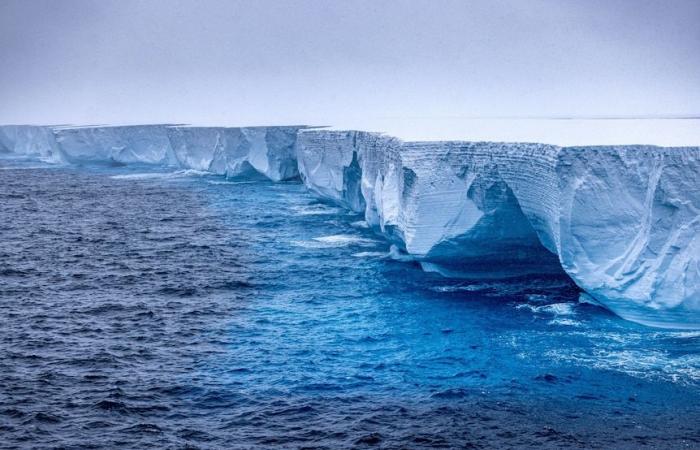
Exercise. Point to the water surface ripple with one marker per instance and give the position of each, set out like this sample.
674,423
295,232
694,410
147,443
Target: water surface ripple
142,309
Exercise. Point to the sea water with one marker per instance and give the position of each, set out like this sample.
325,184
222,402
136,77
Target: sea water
172,309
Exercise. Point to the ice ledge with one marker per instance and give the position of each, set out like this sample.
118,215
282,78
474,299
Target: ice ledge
622,221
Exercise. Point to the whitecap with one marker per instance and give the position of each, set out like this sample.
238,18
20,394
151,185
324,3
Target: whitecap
218,182
140,176
565,322
342,240
644,364
455,288
315,210
537,298
162,175
336,240
556,309
369,255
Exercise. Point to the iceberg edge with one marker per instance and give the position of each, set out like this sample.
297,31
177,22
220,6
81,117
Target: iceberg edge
621,221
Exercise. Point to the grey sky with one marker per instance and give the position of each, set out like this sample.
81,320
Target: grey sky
331,62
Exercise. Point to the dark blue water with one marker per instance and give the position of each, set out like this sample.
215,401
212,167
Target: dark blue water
174,310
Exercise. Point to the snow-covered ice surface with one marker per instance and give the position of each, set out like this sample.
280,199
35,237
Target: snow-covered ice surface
621,221
564,131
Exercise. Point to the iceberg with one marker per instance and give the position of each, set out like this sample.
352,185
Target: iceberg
230,151
30,141
621,221
146,144
269,151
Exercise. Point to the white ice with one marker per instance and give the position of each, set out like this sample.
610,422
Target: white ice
622,221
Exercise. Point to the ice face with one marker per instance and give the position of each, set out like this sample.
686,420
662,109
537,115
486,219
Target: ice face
219,150
328,164
30,141
237,151
460,212
229,151
629,227
622,222
147,144
356,169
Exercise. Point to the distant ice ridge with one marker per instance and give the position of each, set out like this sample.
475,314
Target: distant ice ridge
229,151
623,222
237,151
147,144
30,142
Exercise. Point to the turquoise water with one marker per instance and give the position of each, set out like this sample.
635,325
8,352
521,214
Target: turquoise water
155,309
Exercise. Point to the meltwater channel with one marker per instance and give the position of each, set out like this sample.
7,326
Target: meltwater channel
144,309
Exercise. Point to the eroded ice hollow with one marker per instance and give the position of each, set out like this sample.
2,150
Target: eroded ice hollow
622,222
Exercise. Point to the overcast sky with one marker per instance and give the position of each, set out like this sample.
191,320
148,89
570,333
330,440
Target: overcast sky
330,62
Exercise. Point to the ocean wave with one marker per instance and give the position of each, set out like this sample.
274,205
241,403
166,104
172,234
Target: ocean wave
161,175
336,240
370,255
316,209
556,309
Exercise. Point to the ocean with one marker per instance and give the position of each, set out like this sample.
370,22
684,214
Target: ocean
145,308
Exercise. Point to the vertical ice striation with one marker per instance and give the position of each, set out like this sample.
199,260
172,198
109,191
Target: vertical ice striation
229,151
629,229
237,151
146,144
355,169
30,141
623,222
328,164
463,214
219,150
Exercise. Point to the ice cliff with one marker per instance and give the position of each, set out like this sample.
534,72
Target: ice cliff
30,142
622,222
222,150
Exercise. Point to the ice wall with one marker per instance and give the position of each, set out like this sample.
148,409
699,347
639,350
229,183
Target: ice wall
30,141
629,229
236,151
621,221
230,151
147,144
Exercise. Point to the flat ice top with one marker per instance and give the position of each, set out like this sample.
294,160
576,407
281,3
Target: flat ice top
565,132
671,132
